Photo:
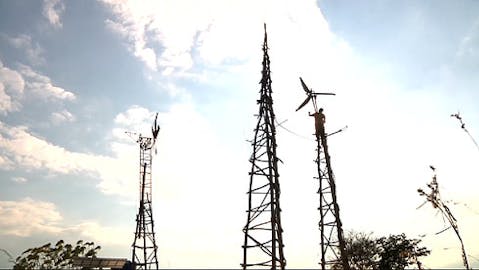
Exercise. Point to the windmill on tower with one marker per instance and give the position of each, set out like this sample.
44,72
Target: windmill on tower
333,247
144,254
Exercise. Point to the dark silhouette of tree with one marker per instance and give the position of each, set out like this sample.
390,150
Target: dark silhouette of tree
59,256
398,252
362,251
394,252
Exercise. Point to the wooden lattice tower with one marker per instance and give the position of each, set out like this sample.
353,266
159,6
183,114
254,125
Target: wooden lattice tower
263,241
144,254
333,247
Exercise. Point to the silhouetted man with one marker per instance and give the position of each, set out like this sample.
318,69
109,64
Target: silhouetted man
319,120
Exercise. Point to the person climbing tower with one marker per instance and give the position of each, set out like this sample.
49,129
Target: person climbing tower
319,120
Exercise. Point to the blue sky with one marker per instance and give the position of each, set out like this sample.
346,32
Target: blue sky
75,75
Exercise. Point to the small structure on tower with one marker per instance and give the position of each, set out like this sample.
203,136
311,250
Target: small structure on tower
333,247
263,241
144,255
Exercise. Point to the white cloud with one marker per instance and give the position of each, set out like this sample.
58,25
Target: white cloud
61,117
33,50
216,34
136,30
118,174
19,179
147,55
6,102
139,45
11,79
28,151
6,163
29,217
42,86
117,28
52,10
42,217
14,84
11,89
135,118
176,91
153,24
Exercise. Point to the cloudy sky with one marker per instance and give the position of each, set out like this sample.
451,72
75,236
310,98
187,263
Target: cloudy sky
75,75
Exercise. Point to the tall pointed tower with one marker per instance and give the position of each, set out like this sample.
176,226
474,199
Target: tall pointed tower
144,245
333,246
263,241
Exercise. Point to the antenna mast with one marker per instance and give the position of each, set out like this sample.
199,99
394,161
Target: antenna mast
263,241
144,246
333,247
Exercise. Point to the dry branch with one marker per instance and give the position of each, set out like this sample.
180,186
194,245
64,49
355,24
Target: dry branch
435,199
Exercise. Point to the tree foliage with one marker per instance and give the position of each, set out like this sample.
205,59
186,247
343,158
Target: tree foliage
58,256
394,252
362,250
398,252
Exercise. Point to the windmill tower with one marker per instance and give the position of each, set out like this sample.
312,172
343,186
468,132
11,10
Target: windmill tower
144,246
333,247
263,241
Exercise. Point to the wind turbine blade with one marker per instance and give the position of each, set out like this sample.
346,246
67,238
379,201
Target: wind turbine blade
304,86
324,94
304,103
